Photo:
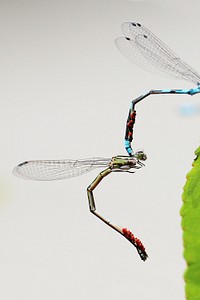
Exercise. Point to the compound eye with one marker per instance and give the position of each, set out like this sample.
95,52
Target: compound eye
144,157
140,155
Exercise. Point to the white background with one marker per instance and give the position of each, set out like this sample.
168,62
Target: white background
65,93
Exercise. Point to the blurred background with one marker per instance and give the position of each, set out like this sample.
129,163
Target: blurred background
65,93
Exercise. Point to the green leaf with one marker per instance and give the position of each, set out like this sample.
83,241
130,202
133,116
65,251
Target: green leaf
190,213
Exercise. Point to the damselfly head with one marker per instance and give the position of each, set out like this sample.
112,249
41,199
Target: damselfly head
140,155
125,163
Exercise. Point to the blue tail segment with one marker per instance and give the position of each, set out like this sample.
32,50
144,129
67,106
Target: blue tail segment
128,148
132,112
193,91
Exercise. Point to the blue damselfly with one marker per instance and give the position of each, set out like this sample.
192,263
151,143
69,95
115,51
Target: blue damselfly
145,50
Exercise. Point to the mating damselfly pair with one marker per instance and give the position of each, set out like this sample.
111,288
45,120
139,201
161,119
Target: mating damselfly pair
143,48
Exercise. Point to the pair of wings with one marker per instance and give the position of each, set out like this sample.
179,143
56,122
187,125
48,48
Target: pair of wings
58,169
145,50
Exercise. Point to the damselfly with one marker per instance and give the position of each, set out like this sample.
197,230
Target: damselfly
63,169
145,50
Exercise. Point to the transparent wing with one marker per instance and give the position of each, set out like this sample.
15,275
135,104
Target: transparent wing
145,50
58,169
